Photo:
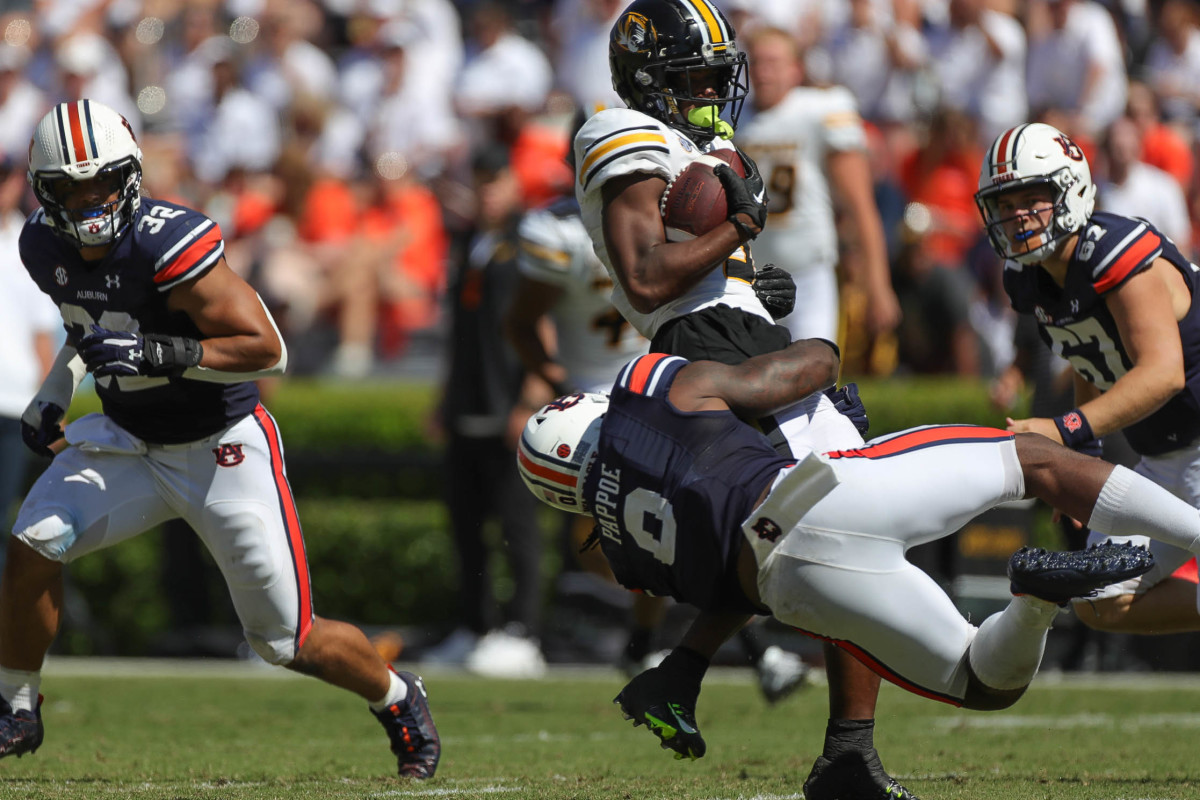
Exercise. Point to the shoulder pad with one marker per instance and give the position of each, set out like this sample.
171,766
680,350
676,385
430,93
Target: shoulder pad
181,243
1113,248
619,141
651,374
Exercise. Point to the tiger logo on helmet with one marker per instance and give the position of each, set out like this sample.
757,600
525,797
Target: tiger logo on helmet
1034,155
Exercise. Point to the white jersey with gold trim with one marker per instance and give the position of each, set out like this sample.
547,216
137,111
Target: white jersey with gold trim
790,143
594,340
621,141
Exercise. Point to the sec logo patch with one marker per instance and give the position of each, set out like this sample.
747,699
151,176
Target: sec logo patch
563,450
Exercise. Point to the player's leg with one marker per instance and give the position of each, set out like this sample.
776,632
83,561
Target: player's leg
1154,603
245,514
82,502
1113,500
840,572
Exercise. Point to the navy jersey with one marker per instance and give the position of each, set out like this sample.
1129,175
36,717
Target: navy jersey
1075,321
165,246
670,490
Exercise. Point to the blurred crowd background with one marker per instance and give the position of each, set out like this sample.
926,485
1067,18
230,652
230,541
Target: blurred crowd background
333,140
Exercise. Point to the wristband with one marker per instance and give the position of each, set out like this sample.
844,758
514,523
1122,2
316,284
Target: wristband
171,355
1074,428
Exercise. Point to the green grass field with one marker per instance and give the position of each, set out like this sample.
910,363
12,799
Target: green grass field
146,731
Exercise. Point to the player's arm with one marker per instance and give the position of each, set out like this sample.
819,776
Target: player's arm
651,270
1147,308
850,176
760,385
527,326
241,341
41,422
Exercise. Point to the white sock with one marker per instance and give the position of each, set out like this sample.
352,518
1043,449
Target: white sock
1130,505
395,693
20,689
1008,646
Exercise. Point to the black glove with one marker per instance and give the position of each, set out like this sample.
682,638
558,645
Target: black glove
776,290
664,700
849,404
108,352
744,196
40,428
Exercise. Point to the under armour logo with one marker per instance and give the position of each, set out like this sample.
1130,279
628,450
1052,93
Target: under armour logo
229,455
112,281
1074,306
767,529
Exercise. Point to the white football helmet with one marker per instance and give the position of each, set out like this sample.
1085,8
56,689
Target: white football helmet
85,141
556,448
1033,154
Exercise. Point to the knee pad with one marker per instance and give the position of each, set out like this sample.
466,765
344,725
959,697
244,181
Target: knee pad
279,652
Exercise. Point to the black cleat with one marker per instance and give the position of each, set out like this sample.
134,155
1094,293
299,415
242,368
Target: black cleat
853,776
1061,576
410,726
673,723
21,731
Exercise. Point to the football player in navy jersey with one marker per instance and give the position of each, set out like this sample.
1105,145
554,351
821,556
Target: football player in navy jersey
678,68
174,339
1115,297
691,502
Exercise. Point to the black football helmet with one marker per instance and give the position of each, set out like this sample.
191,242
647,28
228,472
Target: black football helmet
666,52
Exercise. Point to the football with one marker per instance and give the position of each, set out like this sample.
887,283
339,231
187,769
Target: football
694,200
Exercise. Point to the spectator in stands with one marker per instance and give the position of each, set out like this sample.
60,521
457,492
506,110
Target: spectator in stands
579,46
1132,188
501,89
941,175
189,78
21,103
978,57
935,333
89,66
242,131
287,64
1172,66
1076,63
402,226
431,141
1163,146
876,54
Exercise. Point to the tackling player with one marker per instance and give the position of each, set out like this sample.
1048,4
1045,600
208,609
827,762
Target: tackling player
1115,297
677,66
174,339
694,503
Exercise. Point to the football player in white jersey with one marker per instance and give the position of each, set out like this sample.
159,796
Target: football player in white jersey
810,144
677,66
562,279
175,340
563,282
